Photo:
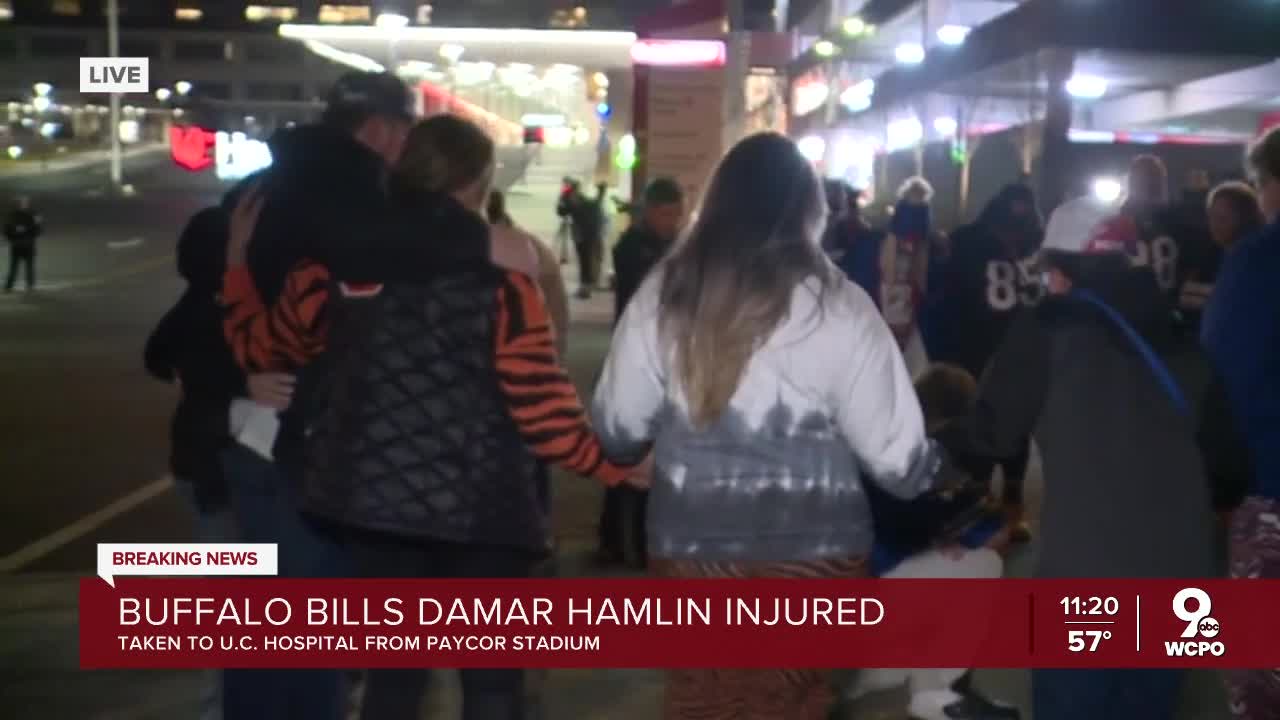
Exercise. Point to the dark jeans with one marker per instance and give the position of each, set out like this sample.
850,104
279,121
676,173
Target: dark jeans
1105,694
1014,470
590,250
397,694
21,257
622,523
265,511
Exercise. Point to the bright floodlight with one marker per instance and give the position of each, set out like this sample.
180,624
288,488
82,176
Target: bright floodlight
41,103
182,86
812,148
854,26
1107,190
952,34
857,97
824,48
15,152
909,54
163,94
391,21
904,133
1086,87
43,88
945,126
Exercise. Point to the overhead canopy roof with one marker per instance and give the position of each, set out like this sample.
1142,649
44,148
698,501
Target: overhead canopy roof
1168,66
595,49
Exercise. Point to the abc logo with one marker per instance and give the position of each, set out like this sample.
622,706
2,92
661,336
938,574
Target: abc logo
1192,606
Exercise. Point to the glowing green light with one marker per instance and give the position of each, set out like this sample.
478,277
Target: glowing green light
854,26
824,48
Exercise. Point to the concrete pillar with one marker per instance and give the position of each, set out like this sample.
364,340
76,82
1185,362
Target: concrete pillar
1056,147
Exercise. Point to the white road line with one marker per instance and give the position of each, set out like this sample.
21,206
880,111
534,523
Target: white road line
85,525
125,244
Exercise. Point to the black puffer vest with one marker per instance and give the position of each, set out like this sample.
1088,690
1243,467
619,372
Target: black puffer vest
407,431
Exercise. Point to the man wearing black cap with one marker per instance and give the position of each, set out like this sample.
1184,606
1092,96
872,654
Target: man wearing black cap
325,199
661,211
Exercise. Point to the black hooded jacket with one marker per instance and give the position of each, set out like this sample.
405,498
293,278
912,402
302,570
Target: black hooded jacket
188,346
1130,482
327,200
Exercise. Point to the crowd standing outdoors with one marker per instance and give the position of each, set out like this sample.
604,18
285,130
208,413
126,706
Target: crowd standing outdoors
369,355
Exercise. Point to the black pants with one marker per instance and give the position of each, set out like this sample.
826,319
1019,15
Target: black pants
622,523
589,250
1105,694
397,694
21,257
1015,473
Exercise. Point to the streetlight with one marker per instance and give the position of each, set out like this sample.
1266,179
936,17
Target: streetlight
41,104
163,94
43,89
391,20
182,86
391,23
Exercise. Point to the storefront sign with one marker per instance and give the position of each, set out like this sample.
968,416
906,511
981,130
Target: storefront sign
234,154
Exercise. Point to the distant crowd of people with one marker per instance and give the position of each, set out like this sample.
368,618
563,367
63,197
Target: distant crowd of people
370,355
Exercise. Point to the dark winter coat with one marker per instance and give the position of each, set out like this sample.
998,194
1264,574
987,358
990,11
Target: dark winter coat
1130,482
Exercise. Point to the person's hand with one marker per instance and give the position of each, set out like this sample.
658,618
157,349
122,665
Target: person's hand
641,476
244,218
511,248
274,390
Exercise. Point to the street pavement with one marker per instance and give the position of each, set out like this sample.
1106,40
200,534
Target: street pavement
85,445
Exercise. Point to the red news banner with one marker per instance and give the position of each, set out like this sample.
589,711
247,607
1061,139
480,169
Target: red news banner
147,622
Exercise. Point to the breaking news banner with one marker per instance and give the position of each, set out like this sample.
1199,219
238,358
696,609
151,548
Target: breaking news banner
266,622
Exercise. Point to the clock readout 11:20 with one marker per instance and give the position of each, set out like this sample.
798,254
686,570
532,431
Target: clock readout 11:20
1090,605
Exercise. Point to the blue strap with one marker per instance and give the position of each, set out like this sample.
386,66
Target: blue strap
1163,376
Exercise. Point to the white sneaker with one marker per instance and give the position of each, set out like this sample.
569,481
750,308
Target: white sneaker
932,704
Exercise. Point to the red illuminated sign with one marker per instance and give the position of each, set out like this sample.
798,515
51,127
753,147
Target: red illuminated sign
678,53
190,146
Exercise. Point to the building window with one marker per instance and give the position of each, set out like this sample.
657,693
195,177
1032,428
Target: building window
270,13
188,14
201,51
137,47
279,92
569,18
339,14
276,51
214,90
50,46
65,7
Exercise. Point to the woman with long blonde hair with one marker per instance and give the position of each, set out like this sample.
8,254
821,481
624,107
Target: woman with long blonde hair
770,389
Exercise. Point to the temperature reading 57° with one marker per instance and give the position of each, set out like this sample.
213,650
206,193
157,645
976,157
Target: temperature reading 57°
1086,640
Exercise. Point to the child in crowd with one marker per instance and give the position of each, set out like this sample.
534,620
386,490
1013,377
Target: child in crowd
944,535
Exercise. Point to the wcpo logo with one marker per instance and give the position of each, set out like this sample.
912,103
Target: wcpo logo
115,75
1200,624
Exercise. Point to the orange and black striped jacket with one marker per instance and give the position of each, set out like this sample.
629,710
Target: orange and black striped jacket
539,395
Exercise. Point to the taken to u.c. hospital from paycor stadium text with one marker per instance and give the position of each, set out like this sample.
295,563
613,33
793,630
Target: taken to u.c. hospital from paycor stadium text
934,335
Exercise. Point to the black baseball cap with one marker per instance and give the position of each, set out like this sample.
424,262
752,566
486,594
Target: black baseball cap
372,93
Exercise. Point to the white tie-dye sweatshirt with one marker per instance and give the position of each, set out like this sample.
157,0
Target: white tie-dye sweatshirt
823,406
